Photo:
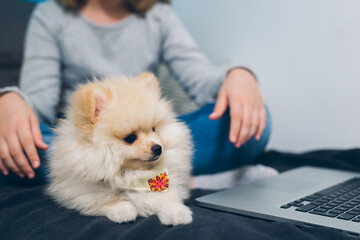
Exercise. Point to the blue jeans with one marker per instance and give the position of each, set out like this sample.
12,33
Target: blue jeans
213,150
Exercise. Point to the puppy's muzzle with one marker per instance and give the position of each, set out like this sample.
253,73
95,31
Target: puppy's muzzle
156,152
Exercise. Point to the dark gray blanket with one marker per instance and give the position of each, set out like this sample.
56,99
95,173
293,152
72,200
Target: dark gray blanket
26,213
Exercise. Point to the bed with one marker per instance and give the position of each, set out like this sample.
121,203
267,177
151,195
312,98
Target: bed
27,213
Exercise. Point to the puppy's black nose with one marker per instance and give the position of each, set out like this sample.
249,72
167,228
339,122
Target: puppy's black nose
156,149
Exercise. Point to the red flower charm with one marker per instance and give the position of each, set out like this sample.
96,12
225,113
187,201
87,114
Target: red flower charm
159,183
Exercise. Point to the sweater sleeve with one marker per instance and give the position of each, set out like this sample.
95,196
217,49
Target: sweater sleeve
199,78
40,80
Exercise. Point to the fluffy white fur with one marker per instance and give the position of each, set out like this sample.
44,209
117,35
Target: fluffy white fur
91,164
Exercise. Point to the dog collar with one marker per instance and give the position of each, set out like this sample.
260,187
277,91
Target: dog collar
159,182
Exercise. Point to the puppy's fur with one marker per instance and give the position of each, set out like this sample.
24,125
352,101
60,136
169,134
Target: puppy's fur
92,164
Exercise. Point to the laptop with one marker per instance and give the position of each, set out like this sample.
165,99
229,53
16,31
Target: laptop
305,196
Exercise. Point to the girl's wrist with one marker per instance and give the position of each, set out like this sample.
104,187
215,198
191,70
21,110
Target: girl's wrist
241,70
7,93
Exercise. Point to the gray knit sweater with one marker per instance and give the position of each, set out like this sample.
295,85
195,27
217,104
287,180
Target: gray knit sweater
63,49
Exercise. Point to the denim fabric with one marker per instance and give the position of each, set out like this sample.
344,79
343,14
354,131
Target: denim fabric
213,150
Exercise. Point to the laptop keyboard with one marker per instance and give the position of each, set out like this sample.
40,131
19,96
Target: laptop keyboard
341,201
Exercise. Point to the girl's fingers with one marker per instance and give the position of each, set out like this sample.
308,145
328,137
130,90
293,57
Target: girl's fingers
262,124
18,156
235,123
245,126
3,169
28,144
8,161
3,155
255,124
220,106
36,132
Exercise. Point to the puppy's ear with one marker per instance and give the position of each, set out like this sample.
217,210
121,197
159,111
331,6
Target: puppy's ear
88,103
99,101
148,80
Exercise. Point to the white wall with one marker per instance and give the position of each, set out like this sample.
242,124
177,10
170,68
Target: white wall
306,54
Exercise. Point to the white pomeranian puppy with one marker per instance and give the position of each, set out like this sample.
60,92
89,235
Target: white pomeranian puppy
121,153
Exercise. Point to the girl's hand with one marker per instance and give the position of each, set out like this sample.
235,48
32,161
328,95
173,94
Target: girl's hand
19,132
241,93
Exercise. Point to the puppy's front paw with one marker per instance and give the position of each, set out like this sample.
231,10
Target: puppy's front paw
177,215
121,212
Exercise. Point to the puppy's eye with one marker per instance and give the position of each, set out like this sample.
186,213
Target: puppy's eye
153,129
130,139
